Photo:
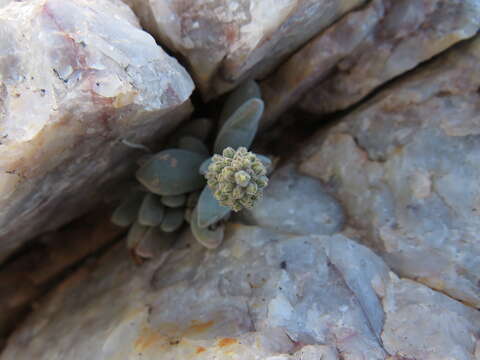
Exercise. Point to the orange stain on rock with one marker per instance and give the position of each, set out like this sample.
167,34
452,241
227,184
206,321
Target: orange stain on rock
201,349
226,342
147,338
198,327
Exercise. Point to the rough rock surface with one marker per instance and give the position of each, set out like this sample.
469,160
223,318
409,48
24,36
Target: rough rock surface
226,40
76,77
27,278
405,166
262,295
296,204
365,49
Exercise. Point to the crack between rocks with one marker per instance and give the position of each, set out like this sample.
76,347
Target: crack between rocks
370,325
331,119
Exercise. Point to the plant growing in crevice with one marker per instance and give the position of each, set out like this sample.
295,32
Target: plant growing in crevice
186,183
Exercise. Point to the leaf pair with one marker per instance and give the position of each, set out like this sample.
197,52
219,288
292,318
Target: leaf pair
242,124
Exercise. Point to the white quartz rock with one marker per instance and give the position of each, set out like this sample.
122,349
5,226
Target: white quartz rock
226,40
261,295
76,77
405,167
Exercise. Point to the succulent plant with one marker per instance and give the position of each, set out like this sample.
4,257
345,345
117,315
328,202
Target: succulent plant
174,180
237,178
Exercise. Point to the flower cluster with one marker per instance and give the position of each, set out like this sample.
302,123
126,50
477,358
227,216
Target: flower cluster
237,178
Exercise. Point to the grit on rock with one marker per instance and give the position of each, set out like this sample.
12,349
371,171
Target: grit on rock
405,165
76,77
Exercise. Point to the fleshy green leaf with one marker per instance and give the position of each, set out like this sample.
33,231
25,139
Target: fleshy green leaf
174,201
204,167
209,238
199,128
241,127
246,91
154,243
126,213
136,234
152,211
193,144
172,220
266,162
209,210
172,172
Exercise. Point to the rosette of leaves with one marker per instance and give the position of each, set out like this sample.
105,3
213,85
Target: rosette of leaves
174,180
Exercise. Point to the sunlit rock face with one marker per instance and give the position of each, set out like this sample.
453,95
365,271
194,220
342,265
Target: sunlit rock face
405,166
225,41
261,295
4,2
365,49
296,204
76,77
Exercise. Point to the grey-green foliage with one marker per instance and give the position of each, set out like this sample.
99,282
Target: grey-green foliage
174,201
210,237
126,213
173,220
152,211
193,144
240,129
172,172
209,209
175,179
246,91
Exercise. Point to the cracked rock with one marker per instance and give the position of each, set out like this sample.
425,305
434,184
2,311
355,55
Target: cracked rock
405,166
365,49
76,77
225,41
261,295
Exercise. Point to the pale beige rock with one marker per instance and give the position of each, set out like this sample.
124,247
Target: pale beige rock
365,49
405,167
225,41
76,77
261,296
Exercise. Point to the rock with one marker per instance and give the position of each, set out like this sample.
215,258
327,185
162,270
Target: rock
309,352
27,277
262,295
364,50
418,324
225,41
77,78
296,204
405,167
